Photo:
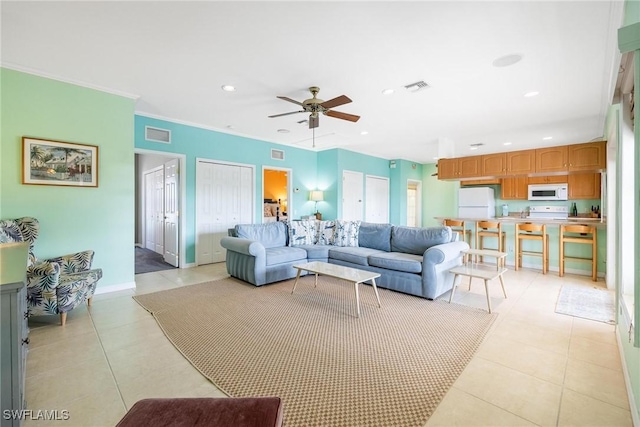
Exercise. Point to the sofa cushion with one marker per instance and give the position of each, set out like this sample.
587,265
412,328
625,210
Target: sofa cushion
325,232
346,233
397,261
284,254
271,235
316,252
414,240
354,255
375,236
302,232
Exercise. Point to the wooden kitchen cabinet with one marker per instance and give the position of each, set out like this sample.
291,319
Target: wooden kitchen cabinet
491,181
514,188
584,186
551,179
494,164
551,159
521,162
461,167
591,156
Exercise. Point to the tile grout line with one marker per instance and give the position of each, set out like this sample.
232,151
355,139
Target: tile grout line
104,352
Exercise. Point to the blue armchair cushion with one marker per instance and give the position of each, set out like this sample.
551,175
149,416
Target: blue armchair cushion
354,255
316,252
415,241
375,236
271,235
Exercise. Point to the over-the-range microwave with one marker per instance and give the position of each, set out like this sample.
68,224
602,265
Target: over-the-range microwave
548,192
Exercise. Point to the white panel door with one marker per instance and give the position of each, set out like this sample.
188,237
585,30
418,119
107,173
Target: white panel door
224,198
171,213
377,199
352,195
154,210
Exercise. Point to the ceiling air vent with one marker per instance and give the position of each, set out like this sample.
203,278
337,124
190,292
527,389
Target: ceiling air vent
414,87
157,135
277,154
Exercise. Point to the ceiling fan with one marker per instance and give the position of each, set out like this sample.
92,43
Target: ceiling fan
315,105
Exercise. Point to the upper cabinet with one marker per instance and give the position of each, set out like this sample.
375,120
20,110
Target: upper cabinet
461,167
551,159
591,156
563,160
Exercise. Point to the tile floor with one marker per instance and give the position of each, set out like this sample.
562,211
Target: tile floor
535,367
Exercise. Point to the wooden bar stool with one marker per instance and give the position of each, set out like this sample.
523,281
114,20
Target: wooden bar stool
458,227
584,234
529,231
489,229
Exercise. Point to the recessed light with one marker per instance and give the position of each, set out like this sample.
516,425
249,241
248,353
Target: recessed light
547,138
283,130
387,91
228,88
507,60
507,143
364,132
532,93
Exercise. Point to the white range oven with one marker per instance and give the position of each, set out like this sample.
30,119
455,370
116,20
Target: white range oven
548,192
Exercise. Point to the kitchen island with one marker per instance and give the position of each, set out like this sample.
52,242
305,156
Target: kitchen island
553,230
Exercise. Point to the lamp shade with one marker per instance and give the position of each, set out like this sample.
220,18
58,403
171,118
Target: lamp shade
316,196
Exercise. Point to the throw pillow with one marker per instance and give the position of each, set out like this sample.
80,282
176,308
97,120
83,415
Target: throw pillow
302,232
325,231
267,210
346,233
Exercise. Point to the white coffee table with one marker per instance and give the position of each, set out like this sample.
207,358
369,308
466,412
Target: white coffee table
486,273
339,272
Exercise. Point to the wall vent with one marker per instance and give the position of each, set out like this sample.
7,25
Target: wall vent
277,154
414,87
157,135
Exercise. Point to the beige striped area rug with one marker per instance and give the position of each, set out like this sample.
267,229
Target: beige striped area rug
390,367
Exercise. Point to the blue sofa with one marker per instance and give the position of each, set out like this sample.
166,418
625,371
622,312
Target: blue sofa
411,260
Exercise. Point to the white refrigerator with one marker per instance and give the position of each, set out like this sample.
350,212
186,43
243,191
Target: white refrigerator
478,202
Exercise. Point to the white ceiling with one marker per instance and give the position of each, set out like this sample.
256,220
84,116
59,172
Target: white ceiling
175,56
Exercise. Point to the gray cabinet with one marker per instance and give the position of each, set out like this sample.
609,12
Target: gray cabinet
14,331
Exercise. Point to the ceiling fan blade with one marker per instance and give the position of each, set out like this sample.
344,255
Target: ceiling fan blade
343,116
314,122
340,100
286,114
284,98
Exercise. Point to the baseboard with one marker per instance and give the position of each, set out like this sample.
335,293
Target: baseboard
555,269
114,288
635,417
189,265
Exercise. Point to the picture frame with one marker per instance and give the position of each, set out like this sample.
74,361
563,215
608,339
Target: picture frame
48,162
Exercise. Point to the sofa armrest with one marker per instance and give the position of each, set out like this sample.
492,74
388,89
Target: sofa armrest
243,246
436,263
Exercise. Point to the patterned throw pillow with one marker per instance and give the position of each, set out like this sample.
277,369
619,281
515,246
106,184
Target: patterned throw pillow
346,233
302,232
325,232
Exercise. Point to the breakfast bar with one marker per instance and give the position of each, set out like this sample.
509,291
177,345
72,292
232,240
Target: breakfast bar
553,226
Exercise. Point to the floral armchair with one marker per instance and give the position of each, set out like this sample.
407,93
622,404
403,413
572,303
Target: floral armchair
56,285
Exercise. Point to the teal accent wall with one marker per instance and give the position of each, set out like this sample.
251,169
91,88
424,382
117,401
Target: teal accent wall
72,219
403,171
195,142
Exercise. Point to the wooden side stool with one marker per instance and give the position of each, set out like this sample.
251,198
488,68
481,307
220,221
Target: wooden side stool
583,234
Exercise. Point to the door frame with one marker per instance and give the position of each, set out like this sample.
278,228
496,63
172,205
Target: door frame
289,172
418,184
182,224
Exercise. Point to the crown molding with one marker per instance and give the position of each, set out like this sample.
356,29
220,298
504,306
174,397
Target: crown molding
39,73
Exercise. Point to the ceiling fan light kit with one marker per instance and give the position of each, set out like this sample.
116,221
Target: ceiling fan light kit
315,105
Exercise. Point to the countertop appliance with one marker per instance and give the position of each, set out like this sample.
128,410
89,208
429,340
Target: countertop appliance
548,192
549,212
477,202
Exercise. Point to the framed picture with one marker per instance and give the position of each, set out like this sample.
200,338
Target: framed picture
47,162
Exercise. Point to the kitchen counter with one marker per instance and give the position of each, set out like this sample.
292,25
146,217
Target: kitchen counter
598,222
